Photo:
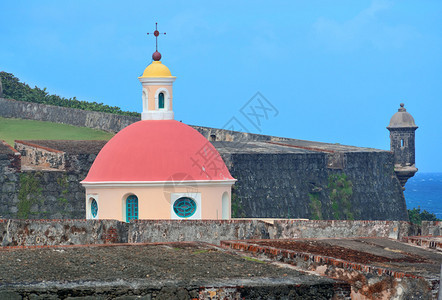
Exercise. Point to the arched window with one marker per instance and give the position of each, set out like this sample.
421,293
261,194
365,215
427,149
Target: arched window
94,208
161,100
184,207
131,208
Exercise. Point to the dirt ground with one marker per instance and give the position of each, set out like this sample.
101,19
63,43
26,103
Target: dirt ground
185,262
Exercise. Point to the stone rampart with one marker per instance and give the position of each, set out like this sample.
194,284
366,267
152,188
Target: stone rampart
80,232
33,156
215,134
42,194
77,117
432,228
61,232
10,108
69,156
269,186
10,160
48,185
9,179
301,185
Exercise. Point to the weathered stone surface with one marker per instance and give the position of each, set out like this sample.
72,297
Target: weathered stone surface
402,143
78,232
70,156
43,158
149,272
61,232
433,228
276,181
77,117
44,194
376,268
8,187
10,295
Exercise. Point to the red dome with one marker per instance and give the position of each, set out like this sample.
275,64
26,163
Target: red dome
158,151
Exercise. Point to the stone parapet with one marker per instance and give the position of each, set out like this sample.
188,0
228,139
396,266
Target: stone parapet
77,117
31,233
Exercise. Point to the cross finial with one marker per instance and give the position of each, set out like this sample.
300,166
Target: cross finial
156,56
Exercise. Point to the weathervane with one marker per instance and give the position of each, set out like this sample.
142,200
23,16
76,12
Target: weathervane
156,55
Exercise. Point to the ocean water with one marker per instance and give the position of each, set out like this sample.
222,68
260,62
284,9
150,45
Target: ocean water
425,190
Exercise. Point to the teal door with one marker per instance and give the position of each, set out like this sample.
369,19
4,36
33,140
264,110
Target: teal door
131,208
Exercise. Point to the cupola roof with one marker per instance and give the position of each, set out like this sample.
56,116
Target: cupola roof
155,70
402,119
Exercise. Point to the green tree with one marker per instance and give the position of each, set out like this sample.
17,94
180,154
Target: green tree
341,191
416,216
14,89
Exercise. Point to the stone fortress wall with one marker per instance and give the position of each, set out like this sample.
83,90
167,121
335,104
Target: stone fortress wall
277,177
77,117
29,233
27,193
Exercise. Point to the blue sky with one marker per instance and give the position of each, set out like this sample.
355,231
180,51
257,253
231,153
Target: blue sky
335,71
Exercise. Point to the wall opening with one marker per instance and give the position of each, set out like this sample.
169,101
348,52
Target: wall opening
402,143
92,208
161,100
225,206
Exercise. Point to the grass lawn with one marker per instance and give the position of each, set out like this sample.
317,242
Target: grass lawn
19,129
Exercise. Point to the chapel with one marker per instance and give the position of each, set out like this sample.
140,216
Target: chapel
158,168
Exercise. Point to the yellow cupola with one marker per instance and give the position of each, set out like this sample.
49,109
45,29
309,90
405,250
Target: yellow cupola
157,92
158,70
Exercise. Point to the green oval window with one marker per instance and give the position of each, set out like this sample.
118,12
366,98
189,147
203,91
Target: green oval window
94,208
184,207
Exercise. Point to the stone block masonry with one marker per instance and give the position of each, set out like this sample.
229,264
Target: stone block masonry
9,179
35,156
429,241
432,228
49,195
376,268
82,234
35,233
36,195
77,117
61,232
10,160
275,181
61,155
104,121
48,186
